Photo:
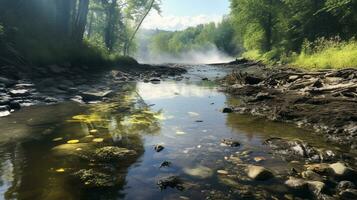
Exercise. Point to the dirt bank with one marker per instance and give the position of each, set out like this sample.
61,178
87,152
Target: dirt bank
324,100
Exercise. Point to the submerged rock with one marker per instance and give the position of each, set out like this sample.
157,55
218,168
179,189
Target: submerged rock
230,142
158,148
199,171
90,178
172,182
112,153
165,164
259,173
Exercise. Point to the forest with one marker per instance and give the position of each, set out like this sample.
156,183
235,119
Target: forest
81,31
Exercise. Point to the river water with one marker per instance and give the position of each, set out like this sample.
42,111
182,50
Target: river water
40,145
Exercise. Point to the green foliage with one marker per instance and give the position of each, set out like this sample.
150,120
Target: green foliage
327,53
278,31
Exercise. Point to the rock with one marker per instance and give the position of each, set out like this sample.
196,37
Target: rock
320,168
318,84
15,105
297,184
259,173
293,78
4,111
93,179
158,148
165,164
343,185
227,110
251,80
170,181
311,175
340,169
222,172
261,96
230,142
95,96
7,82
348,194
316,187
205,79
155,80
298,150
19,92
112,153
199,172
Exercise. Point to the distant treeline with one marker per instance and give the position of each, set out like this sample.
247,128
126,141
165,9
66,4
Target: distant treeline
199,38
45,31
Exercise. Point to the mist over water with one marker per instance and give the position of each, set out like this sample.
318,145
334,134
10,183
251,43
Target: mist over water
208,56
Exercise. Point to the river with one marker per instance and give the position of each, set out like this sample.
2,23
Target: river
41,145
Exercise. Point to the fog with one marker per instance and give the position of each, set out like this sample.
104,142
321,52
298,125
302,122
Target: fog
209,56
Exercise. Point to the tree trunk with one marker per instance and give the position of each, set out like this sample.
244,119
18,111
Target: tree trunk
110,26
81,20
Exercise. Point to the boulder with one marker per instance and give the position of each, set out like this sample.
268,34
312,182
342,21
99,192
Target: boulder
297,184
340,169
259,173
316,187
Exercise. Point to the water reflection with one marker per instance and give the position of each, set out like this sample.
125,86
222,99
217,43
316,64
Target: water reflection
61,161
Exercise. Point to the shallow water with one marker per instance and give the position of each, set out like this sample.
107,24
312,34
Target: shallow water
184,116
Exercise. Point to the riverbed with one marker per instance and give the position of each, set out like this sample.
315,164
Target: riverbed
47,152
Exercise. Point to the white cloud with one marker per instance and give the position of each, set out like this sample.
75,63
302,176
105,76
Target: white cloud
170,22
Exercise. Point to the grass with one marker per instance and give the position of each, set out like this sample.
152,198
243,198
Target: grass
329,55
322,54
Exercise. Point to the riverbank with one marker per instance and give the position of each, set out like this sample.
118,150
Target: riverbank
24,86
325,100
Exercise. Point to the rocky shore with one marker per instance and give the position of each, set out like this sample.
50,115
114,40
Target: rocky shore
324,100
26,86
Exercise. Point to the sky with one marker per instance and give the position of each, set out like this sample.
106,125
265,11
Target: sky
180,14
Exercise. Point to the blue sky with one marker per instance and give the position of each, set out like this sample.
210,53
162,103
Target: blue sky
180,14
195,7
